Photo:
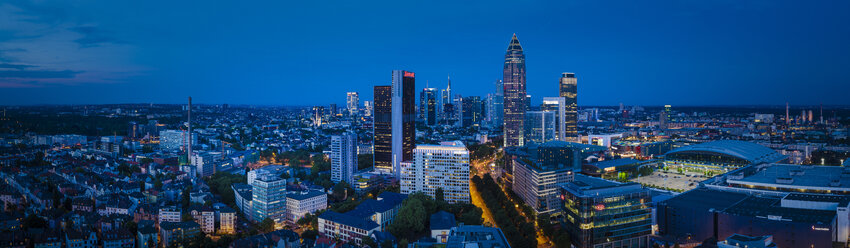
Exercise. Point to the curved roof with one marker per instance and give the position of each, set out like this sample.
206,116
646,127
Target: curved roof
752,152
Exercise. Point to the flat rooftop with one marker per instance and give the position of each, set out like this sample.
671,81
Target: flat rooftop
798,177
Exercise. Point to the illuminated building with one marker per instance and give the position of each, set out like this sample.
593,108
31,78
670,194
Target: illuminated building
721,155
557,105
269,199
515,102
428,106
403,118
539,126
495,106
472,111
299,204
602,213
569,91
538,169
343,157
174,140
382,129
352,101
445,101
443,166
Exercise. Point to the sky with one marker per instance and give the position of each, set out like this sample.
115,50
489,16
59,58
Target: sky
679,52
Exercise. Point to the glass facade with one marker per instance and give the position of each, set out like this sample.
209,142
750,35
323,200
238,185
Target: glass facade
382,128
514,99
617,216
569,91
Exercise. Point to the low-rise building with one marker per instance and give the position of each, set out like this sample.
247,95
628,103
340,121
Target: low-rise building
301,203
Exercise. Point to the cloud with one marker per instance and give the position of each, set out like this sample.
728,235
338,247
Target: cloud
94,36
14,66
38,74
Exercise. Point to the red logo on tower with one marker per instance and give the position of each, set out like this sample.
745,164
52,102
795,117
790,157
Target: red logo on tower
409,74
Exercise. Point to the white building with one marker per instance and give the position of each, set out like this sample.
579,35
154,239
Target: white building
443,166
174,140
272,170
205,217
343,157
558,106
226,220
301,203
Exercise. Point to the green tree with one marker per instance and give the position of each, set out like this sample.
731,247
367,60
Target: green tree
369,242
267,225
364,161
410,220
439,196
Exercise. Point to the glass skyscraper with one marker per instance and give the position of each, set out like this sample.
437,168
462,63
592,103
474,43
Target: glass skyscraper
382,128
515,103
568,90
403,118
428,106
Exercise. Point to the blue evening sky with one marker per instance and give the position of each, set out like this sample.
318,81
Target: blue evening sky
681,52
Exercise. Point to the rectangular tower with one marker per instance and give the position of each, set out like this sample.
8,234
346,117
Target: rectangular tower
569,90
443,166
403,118
343,157
382,129
352,102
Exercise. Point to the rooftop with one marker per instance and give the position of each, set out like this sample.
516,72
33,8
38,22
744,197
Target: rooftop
615,163
796,176
302,195
749,151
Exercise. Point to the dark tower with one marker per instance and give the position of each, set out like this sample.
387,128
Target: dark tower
382,128
514,84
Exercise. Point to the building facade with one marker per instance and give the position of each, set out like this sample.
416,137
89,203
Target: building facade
299,204
352,103
269,199
602,213
540,126
514,99
557,105
428,106
569,91
343,157
443,166
382,129
403,118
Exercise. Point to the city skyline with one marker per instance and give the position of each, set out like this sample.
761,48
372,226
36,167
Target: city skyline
60,53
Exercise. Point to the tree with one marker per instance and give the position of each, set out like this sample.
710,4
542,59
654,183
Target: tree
410,220
341,191
67,204
185,196
364,161
402,243
309,234
369,242
439,195
131,226
387,244
563,240
267,225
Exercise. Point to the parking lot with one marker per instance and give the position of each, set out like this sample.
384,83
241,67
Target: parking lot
671,180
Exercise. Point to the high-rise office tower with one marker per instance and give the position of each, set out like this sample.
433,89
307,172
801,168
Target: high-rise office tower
403,118
443,166
318,114
269,199
343,157
495,106
513,74
473,111
446,101
352,102
528,103
367,108
382,129
428,106
557,105
569,91
539,126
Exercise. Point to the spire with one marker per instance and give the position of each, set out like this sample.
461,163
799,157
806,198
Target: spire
514,46
450,82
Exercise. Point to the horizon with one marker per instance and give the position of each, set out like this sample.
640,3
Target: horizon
306,54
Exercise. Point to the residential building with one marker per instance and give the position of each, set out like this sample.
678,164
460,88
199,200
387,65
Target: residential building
343,157
205,217
443,166
169,213
173,233
226,220
118,238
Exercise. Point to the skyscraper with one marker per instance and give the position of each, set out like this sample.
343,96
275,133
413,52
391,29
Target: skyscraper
495,106
569,91
382,129
343,157
540,126
445,101
513,74
556,105
428,106
352,102
472,111
403,118
367,108
443,166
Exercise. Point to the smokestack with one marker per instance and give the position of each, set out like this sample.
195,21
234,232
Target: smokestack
787,118
189,147
821,113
